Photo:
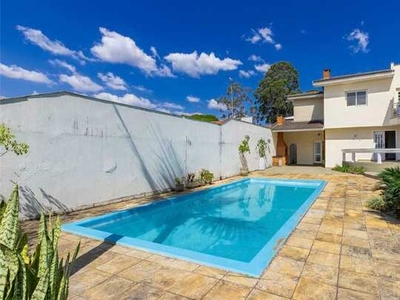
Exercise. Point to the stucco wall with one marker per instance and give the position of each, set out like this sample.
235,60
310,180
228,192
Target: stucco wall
83,151
338,139
308,109
379,109
305,144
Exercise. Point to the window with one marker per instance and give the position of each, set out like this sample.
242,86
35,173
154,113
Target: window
356,98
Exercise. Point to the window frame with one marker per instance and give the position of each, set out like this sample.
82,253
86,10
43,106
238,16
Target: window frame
356,98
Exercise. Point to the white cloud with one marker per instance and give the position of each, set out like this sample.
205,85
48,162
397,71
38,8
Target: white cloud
192,99
80,83
213,104
263,68
113,81
141,88
246,74
132,99
172,106
16,72
362,39
116,48
196,65
154,52
53,46
264,35
254,57
129,99
57,62
2,97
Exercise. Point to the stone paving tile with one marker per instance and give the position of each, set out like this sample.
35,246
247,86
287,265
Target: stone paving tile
324,259
118,263
286,266
277,284
211,272
351,241
261,295
170,296
320,273
240,279
308,289
355,251
326,247
112,288
345,294
227,290
389,290
358,281
355,264
295,253
339,248
299,242
141,291
193,285
84,280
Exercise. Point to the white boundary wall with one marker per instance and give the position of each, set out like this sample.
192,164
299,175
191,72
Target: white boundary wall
84,151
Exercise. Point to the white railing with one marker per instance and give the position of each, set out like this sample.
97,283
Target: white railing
378,152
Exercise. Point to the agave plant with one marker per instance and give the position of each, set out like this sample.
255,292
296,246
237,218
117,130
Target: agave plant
41,275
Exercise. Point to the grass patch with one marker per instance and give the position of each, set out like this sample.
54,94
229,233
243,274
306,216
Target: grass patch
349,169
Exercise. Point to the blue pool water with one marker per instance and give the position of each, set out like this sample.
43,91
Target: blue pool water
237,226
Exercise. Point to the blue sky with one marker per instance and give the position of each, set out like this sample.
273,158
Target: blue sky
178,56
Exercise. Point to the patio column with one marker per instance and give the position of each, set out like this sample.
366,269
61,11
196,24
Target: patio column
378,158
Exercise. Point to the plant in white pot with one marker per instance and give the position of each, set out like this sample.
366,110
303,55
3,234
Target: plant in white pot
243,149
179,186
192,181
261,148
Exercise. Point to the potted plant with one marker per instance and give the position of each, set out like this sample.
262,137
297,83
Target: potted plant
179,186
192,181
261,148
206,176
243,149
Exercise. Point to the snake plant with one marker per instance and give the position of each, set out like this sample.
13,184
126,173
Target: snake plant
40,275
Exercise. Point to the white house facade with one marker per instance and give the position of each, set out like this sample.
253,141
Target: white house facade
354,113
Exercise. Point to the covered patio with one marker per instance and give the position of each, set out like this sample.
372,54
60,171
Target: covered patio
299,143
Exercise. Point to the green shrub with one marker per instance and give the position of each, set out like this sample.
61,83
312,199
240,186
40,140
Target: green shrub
206,176
7,140
390,177
349,169
377,203
244,145
41,275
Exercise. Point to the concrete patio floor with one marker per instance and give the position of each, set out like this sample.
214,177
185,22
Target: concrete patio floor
340,250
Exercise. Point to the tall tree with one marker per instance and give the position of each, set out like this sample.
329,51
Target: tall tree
234,100
281,80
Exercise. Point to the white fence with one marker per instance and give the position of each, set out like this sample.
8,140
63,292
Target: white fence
84,151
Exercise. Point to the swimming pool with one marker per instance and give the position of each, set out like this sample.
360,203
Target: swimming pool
237,226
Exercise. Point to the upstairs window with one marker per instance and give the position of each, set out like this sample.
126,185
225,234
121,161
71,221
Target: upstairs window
356,98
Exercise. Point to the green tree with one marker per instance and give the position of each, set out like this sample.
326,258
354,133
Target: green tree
8,142
281,80
204,118
234,100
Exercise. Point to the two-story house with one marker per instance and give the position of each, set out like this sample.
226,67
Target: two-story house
356,111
